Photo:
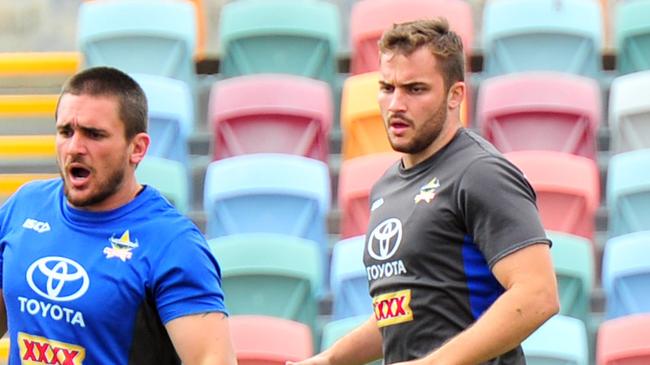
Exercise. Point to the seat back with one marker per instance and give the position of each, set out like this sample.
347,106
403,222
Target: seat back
279,36
140,36
525,35
624,341
169,177
626,274
633,36
9,183
540,111
628,192
567,187
36,72
370,18
270,274
629,112
561,340
356,178
349,280
27,114
171,116
271,113
268,340
573,261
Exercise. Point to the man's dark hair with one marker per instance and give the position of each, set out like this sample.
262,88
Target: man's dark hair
111,82
446,46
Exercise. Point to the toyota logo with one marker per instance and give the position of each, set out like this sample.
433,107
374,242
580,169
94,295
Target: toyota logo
57,278
386,238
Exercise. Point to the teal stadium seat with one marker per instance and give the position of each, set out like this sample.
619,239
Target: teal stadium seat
140,36
628,192
171,116
348,279
550,35
168,176
626,274
270,274
280,36
573,260
629,112
633,35
560,341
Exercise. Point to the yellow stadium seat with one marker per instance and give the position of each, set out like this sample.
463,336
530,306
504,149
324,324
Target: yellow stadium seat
9,183
39,63
4,350
23,147
27,105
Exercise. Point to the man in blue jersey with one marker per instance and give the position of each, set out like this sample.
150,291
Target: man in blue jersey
97,268
458,263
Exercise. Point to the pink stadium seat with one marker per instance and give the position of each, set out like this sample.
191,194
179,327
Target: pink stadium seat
356,178
540,111
263,340
271,113
370,18
624,341
567,187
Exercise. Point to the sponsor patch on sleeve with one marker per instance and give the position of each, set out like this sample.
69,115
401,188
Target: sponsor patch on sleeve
393,308
41,350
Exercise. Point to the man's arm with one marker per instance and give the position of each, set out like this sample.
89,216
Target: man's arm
202,339
3,314
529,300
360,346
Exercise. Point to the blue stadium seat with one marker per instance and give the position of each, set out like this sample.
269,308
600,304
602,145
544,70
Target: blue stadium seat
561,340
171,116
626,274
348,279
633,35
270,274
272,193
629,112
280,36
628,192
140,36
552,35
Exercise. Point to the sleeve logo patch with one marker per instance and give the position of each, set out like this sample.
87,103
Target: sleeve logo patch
41,350
393,308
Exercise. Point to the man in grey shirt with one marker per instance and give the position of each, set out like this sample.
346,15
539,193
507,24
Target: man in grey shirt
458,263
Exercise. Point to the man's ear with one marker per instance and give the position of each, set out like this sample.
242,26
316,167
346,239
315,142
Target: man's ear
139,146
456,95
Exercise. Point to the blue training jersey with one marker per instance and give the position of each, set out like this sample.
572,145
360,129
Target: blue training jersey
97,287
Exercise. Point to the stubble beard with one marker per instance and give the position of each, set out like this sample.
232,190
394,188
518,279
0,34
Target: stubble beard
426,135
105,188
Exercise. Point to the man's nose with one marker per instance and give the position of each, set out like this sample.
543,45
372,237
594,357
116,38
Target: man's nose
77,144
397,101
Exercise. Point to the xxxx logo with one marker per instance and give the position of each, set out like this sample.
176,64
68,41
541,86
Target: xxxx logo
41,350
393,308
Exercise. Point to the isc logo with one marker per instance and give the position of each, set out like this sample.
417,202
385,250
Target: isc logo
393,308
39,227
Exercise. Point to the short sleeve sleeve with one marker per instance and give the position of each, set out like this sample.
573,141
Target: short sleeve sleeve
498,208
187,279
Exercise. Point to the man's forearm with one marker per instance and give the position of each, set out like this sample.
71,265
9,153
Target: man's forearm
360,346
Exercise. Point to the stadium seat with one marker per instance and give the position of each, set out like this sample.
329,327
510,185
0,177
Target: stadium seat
9,183
4,350
277,113
370,18
270,274
27,147
633,35
348,279
551,35
561,340
540,111
169,177
361,122
273,193
171,116
629,112
626,274
567,187
140,36
264,340
574,261
27,114
628,192
279,36
356,178
36,72
624,341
